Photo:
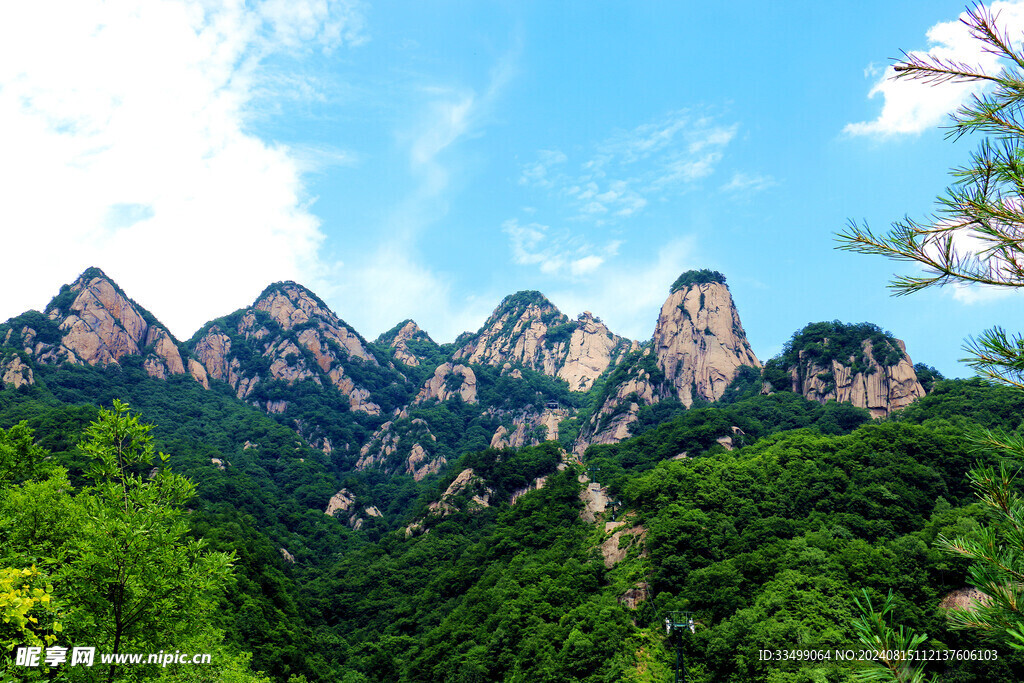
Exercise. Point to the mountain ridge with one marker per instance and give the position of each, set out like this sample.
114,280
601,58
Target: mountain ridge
288,347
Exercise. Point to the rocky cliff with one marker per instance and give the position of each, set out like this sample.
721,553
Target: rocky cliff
697,348
528,427
402,446
93,322
409,343
526,329
449,381
288,335
858,364
699,341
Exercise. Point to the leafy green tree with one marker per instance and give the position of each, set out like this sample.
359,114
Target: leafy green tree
137,582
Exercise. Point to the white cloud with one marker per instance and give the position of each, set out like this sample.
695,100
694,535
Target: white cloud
911,107
537,172
560,255
981,294
123,126
379,289
390,285
749,183
625,172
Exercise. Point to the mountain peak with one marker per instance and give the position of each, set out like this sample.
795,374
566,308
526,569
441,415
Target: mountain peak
401,335
699,340
527,329
93,322
519,303
91,273
697,277
859,363
407,329
291,304
295,337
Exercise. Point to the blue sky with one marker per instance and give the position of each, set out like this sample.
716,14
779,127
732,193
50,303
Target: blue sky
422,160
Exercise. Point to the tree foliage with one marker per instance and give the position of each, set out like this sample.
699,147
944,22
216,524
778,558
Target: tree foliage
975,235
975,238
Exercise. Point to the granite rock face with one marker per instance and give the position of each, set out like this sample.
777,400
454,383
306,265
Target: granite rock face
699,342
528,330
16,372
402,446
399,339
93,322
448,381
866,383
298,338
697,349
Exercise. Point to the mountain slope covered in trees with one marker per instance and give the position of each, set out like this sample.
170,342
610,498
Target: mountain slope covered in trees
481,528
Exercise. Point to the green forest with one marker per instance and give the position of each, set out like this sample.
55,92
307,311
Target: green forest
768,545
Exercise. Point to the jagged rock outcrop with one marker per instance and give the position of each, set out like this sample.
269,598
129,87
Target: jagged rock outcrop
408,342
699,342
595,499
632,386
295,336
858,364
340,502
448,381
93,322
697,349
465,484
615,548
536,485
592,349
526,329
16,372
467,488
343,504
402,446
529,428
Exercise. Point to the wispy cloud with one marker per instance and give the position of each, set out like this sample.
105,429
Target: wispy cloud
126,145
377,287
392,284
911,107
555,254
748,183
631,168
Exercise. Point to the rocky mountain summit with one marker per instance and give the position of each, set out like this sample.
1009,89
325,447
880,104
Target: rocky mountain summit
529,331
699,342
93,322
288,335
409,343
858,364
407,406
697,349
